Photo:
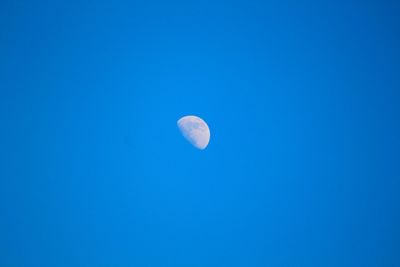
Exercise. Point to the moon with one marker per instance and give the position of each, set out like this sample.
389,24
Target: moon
195,130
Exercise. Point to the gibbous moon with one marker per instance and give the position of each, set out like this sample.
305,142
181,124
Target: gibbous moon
195,130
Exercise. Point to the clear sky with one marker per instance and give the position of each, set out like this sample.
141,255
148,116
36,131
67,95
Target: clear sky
302,99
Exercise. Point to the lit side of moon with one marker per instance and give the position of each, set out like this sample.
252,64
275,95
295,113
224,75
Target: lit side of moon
195,130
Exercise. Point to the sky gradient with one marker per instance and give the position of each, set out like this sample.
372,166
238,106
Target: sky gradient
302,100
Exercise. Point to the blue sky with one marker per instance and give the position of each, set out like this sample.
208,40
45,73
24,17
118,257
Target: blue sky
303,104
